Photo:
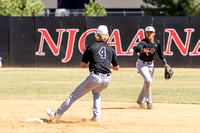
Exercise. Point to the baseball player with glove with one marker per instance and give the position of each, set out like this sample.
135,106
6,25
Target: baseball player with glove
100,57
146,50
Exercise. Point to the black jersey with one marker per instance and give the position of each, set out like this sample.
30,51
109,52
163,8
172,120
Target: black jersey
100,56
153,48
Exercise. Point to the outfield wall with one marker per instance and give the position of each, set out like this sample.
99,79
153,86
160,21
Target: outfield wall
60,41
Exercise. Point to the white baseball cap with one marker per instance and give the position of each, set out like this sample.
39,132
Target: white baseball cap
149,28
102,29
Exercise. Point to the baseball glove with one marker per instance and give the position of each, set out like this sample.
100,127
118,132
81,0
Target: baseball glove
168,72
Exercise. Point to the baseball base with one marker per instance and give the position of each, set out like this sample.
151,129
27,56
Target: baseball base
35,120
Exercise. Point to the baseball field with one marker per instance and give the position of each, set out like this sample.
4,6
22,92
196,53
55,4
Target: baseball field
26,93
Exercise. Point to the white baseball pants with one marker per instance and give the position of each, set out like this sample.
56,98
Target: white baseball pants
94,83
147,71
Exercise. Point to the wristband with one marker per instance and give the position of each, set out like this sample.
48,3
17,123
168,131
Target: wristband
164,61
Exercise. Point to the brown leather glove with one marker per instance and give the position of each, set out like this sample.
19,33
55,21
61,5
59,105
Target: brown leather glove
168,72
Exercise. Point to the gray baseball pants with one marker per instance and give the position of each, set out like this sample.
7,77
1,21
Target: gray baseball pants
94,83
147,71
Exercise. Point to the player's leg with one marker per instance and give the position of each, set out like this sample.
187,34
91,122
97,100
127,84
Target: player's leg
97,98
141,96
148,93
149,87
85,87
96,106
144,71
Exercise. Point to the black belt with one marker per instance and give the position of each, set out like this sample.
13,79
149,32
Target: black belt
148,63
97,73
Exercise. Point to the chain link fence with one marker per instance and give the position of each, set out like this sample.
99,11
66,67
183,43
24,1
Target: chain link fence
79,12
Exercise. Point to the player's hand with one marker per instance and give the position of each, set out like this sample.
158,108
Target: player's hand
146,50
166,65
114,67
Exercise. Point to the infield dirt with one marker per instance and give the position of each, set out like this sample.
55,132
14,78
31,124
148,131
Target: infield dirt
117,117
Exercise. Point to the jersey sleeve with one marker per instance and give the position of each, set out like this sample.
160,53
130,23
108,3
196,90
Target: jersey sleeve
160,51
86,55
138,47
114,59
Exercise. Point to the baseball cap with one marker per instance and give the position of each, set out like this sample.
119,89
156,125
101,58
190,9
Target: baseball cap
149,28
102,29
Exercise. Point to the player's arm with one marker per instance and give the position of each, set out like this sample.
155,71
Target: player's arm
164,62
114,63
83,65
161,55
85,58
139,48
114,67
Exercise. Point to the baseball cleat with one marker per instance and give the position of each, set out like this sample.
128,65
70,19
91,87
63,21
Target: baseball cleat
52,115
141,104
149,106
96,118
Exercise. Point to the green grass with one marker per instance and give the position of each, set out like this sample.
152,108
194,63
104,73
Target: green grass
126,84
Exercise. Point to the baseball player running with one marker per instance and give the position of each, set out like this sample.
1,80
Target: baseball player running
100,57
145,64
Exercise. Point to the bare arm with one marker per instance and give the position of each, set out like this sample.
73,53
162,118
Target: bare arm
114,67
165,62
83,65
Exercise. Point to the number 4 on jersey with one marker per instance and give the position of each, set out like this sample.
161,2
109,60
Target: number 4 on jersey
102,52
